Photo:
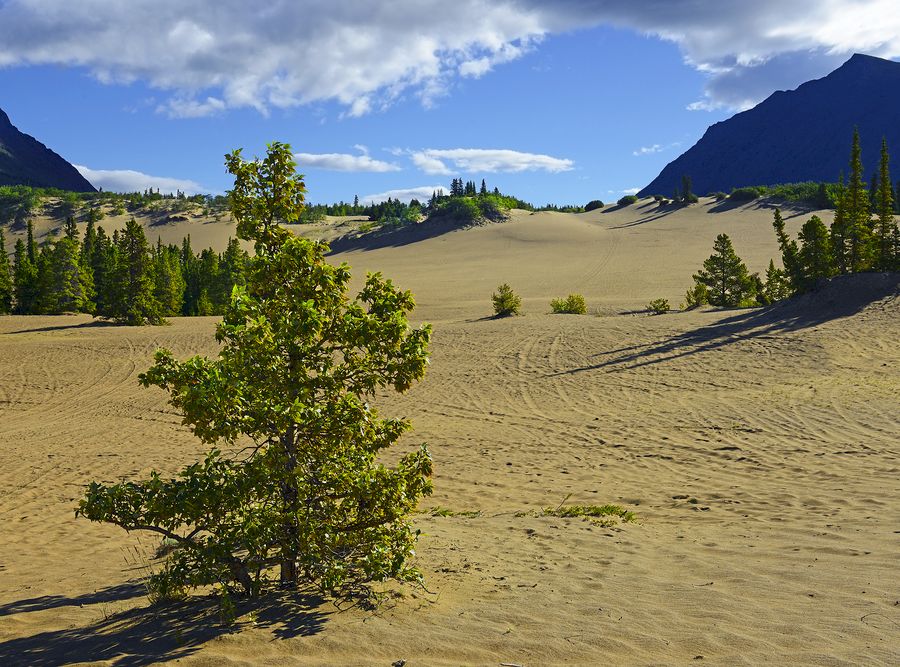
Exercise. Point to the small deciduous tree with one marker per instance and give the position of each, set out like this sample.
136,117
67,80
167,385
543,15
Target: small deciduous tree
290,389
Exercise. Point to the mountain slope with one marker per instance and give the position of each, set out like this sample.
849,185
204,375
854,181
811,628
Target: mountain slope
798,135
26,161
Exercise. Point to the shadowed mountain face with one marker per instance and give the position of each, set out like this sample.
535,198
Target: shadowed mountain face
797,135
26,161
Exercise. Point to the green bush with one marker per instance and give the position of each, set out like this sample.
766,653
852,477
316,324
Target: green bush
627,200
461,209
718,196
571,305
593,205
506,302
747,194
491,208
658,306
811,193
695,297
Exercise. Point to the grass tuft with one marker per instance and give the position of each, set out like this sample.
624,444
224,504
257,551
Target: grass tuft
590,512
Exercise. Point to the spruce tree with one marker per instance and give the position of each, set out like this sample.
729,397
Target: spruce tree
777,286
484,189
839,234
885,227
72,285
209,283
88,245
168,283
790,258
687,195
32,245
46,298
103,262
725,276
232,267
190,271
815,253
6,282
24,281
134,303
71,229
857,212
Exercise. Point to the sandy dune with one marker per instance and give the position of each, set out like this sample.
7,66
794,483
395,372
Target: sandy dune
760,450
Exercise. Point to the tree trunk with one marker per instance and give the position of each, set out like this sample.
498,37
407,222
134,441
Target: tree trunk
289,511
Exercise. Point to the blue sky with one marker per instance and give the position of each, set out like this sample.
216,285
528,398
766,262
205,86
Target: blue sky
553,102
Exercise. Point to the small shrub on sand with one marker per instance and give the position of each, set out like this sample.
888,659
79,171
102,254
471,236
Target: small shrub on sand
506,302
658,306
695,297
627,200
590,512
571,305
592,205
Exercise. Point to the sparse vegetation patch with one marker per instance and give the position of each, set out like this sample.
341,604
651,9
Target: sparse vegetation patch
573,304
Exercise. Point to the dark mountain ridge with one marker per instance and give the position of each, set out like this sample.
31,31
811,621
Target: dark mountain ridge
26,161
797,135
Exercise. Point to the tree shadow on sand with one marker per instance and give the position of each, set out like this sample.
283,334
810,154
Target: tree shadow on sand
396,237
111,594
788,209
840,297
92,324
149,635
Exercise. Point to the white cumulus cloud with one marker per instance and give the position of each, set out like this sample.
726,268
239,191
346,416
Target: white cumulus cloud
485,160
212,55
344,162
129,180
648,150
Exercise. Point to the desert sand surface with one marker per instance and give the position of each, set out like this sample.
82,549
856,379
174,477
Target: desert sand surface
760,450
